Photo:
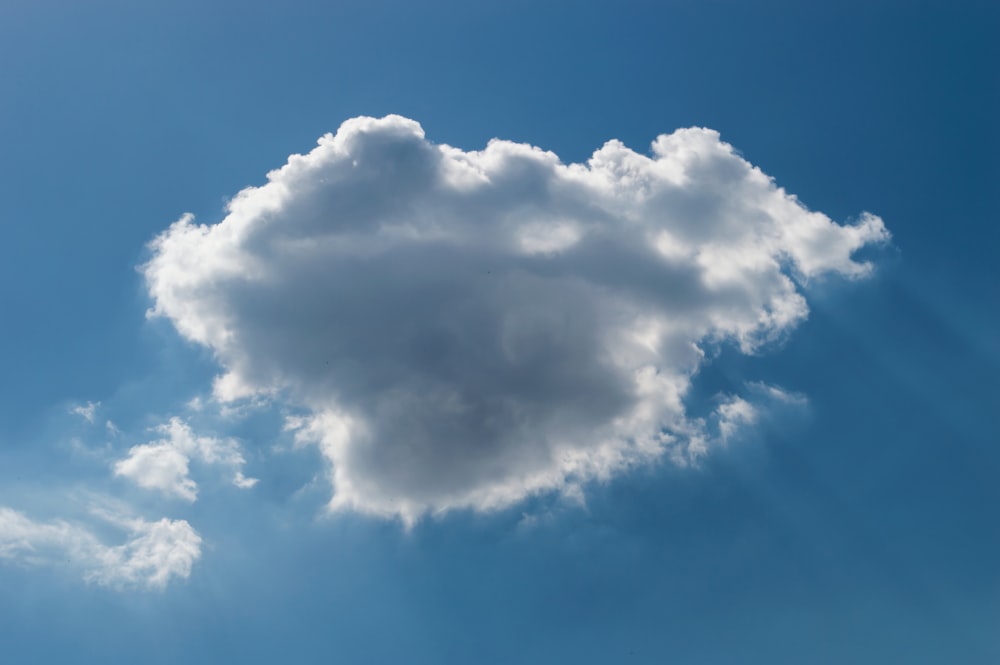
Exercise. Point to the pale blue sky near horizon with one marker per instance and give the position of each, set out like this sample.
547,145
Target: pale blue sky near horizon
860,528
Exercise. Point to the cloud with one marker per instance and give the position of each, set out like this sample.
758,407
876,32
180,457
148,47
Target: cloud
153,554
735,413
163,464
86,411
463,329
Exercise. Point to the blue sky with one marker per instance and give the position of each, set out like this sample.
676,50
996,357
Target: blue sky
850,517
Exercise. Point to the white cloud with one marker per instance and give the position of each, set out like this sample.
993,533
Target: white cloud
86,411
462,329
159,466
153,554
734,414
162,465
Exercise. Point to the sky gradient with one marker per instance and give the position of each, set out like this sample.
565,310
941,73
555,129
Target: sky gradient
823,490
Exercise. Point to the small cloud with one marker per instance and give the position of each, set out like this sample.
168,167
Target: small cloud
162,465
734,413
159,466
87,411
243,482
152,554
112,428
243,408
777,395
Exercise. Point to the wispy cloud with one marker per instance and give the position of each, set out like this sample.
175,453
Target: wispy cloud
86,411
152,554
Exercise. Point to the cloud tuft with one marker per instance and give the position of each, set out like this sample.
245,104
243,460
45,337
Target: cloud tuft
86,411
163,464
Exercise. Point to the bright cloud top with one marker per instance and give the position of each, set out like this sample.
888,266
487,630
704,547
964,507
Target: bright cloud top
154,553
163,464
462,329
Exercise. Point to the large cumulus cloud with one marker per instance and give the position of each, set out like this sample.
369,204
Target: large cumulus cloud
465,328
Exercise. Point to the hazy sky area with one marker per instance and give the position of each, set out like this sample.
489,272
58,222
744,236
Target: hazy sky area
500,333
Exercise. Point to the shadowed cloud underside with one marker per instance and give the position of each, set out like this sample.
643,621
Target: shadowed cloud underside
464,329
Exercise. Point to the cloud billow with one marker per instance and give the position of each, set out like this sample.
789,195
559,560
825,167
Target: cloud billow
463,329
